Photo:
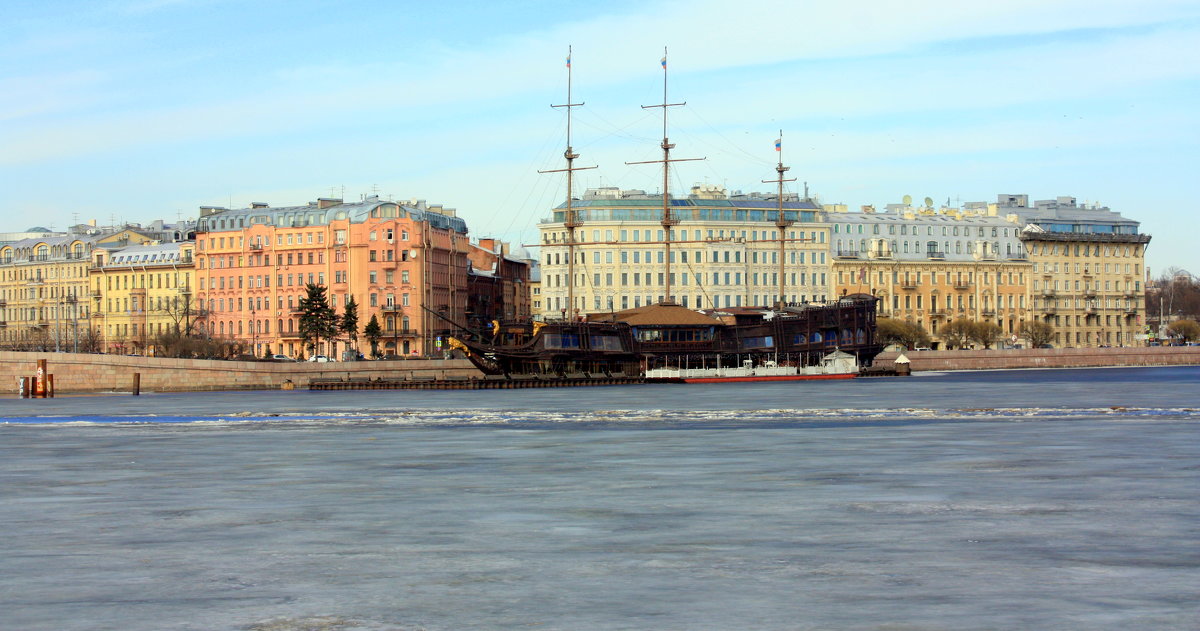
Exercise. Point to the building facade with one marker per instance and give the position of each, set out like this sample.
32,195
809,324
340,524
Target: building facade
43,292
725,252
930,267
498,284
141,292
402,262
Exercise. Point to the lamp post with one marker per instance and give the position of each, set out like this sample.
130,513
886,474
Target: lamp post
74,304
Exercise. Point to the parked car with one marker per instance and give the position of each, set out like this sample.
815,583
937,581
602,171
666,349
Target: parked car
922,348
281,358
320,359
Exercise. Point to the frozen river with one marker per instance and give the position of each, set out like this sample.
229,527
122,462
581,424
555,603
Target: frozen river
993,500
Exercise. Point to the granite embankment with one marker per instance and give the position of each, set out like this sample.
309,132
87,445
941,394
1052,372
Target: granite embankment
1046,358
78,373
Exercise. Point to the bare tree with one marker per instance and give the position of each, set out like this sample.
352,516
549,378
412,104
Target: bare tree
985,333
956,334
907,334
1187,330
1037,332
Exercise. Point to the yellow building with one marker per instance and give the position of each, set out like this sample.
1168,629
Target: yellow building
930,267
1088,286
140,292
43,285
725,252
932,293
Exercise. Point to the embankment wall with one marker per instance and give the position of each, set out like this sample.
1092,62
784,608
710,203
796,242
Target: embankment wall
1046,358
74,373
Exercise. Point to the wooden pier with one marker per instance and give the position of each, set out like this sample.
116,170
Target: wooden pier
486,382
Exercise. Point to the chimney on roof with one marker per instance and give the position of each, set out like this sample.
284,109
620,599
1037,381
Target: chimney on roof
328,202
259,205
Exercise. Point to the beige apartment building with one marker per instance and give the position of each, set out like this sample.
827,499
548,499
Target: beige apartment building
725,252
1088,286
932,266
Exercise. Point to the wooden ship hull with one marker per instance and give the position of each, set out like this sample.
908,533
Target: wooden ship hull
661,336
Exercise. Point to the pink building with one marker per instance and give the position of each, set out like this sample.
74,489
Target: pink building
399,260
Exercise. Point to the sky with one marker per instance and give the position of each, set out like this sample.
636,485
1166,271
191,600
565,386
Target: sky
132,110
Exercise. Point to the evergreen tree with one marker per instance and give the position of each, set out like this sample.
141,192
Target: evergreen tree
373,333
349,322
317,319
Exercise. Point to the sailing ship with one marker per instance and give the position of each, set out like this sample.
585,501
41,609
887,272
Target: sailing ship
670,342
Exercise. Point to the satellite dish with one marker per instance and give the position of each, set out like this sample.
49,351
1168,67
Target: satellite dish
929,202
908,200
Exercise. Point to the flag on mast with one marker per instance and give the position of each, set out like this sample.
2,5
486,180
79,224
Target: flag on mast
778,144
664,61
568,60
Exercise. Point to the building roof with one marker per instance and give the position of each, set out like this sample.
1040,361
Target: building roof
223,219
663,315
140,255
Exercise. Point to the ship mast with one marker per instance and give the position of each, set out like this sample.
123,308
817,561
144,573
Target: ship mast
780,222
667,219
572,220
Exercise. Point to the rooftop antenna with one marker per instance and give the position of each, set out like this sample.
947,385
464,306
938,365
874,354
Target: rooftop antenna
781,222
572,222
667,219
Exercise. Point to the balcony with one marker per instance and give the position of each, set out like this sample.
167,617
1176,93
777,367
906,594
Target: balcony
3,324
962,284
391,309
1089,293
1130,294
1049,293
402,333
989,312
95,293
1050,309
256,247
936,256
1131,310
908,284
846,254
3,303
1090,310
937,313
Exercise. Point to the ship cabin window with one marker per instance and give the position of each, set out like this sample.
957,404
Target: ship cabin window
605,343
674,335
758,342
816,337
561,340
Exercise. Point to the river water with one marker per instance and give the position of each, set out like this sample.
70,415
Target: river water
1055,499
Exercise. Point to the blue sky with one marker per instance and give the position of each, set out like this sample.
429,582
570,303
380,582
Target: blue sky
139,109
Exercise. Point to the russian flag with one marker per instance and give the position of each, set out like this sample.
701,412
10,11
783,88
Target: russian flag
664,61
778,144
568,61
